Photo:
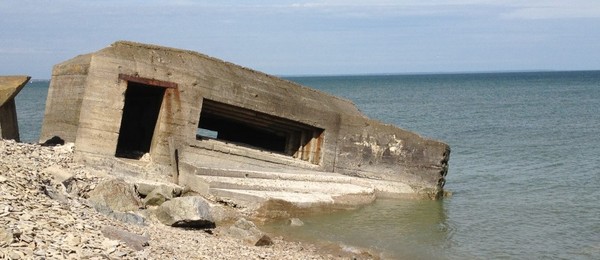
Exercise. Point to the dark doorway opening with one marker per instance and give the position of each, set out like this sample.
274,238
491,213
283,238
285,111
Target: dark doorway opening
140,113
258,130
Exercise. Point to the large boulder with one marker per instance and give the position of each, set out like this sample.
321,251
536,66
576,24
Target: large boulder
192,212
117,195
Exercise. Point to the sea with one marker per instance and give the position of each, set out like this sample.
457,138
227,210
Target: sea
524,169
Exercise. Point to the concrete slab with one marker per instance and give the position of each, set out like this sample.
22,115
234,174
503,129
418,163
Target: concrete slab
292,186
10,86
298,199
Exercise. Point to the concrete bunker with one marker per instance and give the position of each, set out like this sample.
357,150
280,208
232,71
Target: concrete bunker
258,130
10,86
198,116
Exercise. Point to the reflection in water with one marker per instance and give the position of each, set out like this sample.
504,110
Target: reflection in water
413,229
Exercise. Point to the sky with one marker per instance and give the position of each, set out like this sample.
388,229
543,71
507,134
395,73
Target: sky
328,37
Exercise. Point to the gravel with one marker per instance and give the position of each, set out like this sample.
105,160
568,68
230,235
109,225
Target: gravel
45,215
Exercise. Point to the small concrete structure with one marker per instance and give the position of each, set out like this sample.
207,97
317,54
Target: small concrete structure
244,133
10,86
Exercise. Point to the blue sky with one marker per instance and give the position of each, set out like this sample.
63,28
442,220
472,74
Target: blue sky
313,37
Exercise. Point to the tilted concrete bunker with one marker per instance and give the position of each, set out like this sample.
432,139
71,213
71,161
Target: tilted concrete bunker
10,86
204,116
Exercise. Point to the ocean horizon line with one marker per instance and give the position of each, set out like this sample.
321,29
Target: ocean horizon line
375,74
433,73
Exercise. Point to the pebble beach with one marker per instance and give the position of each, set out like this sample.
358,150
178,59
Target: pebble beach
41,219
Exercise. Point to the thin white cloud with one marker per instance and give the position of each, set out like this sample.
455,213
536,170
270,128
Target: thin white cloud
514,9
555,10
509,9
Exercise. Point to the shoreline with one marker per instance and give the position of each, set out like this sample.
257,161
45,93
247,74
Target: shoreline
36,225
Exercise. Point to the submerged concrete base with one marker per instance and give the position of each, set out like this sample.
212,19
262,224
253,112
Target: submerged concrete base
274,191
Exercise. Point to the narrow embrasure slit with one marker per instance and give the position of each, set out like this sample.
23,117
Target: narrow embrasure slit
259,131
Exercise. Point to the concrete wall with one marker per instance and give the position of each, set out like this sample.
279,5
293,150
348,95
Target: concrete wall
9,127
367,148
65,95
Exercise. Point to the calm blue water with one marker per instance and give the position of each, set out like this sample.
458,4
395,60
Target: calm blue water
31,104
524,167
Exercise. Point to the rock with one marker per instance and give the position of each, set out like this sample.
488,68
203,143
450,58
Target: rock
193,212
16,232
161,194
59,173
110,245
128,217
116,194
76,186
15,255
6,237
223,214
125,217
134,241
72,240
264,241
248,232
146,158
66,148
40,252
157,197
145,188
295,222
54,141
54,194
